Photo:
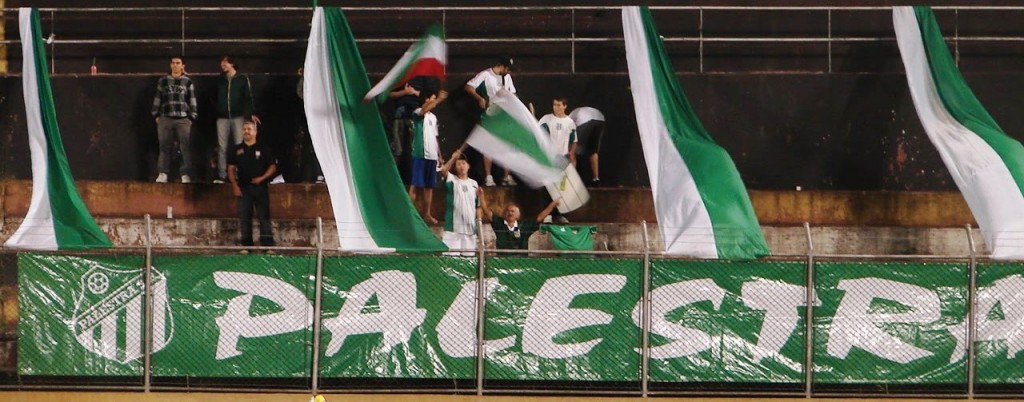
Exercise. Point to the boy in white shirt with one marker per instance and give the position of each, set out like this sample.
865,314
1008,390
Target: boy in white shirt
482,87
561,128
462,209
425,153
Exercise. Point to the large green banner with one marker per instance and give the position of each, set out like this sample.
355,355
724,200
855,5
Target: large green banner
546,319
719,321
563,319
890,322
399,317
1000,324
81,316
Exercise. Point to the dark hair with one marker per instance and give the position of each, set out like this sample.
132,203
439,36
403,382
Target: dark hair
564,100
504,61
230,61
425,94
179,58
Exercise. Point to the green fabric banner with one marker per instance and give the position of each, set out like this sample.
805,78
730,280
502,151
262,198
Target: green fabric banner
727,321
891,322
546,319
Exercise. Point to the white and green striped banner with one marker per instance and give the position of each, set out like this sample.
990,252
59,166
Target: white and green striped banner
57,219
986,164
510,135
371,207
702,205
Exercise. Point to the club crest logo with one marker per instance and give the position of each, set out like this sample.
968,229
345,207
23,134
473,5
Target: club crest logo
110,311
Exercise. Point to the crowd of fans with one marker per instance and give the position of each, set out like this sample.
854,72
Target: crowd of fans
249,165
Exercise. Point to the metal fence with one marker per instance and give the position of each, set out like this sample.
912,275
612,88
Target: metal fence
585,322
567,38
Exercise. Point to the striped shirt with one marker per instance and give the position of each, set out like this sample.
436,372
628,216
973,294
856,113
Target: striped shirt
460,209
175,98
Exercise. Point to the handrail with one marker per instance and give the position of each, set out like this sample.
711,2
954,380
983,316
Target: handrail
573,37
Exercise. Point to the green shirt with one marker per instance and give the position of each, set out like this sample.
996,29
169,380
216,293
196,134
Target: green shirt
517,238
571,237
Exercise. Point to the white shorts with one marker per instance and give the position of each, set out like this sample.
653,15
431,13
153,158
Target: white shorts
465,243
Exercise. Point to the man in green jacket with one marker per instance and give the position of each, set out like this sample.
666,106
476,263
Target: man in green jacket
235,105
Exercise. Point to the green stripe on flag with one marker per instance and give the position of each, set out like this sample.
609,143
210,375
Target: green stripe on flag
385,207
73,226
509,130
737,231
961,102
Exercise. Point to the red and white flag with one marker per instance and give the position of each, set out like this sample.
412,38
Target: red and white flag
427,57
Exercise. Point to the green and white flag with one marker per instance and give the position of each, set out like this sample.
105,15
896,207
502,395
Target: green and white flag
57,219
985,163
509,134
371,207
702,205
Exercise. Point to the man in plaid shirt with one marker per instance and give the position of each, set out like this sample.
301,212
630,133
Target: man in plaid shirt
174,107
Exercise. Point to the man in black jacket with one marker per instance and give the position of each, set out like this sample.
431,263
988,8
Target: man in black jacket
251,166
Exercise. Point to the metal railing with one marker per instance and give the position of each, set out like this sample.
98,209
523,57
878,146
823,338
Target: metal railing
485,257
576,34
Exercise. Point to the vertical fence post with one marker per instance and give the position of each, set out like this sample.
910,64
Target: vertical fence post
830,40
183,31
956,36
645,303
317,298
972,310
147,347
481,299
572,42
809,316
700,31
53,46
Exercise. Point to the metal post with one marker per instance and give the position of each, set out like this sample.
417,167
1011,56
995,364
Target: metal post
809,316
700,30
53,46
645,302
183,31
572,43
956,36
972,310
147,324
830,40
481,296
317,298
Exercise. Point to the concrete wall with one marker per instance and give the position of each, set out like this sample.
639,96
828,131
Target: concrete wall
856,132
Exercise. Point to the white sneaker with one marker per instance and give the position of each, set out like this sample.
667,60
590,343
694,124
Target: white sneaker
489,181
319,180
547,219
186,179
161,178
509,181
218,181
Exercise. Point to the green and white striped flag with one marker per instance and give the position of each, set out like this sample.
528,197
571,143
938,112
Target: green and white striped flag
57,219
509,134
702,205
371,207
986,164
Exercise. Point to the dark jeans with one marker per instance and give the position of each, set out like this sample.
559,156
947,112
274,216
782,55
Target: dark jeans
255,197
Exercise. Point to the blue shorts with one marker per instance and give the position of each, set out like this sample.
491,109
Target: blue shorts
424,173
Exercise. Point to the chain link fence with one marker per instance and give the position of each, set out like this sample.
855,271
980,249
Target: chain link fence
302,318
